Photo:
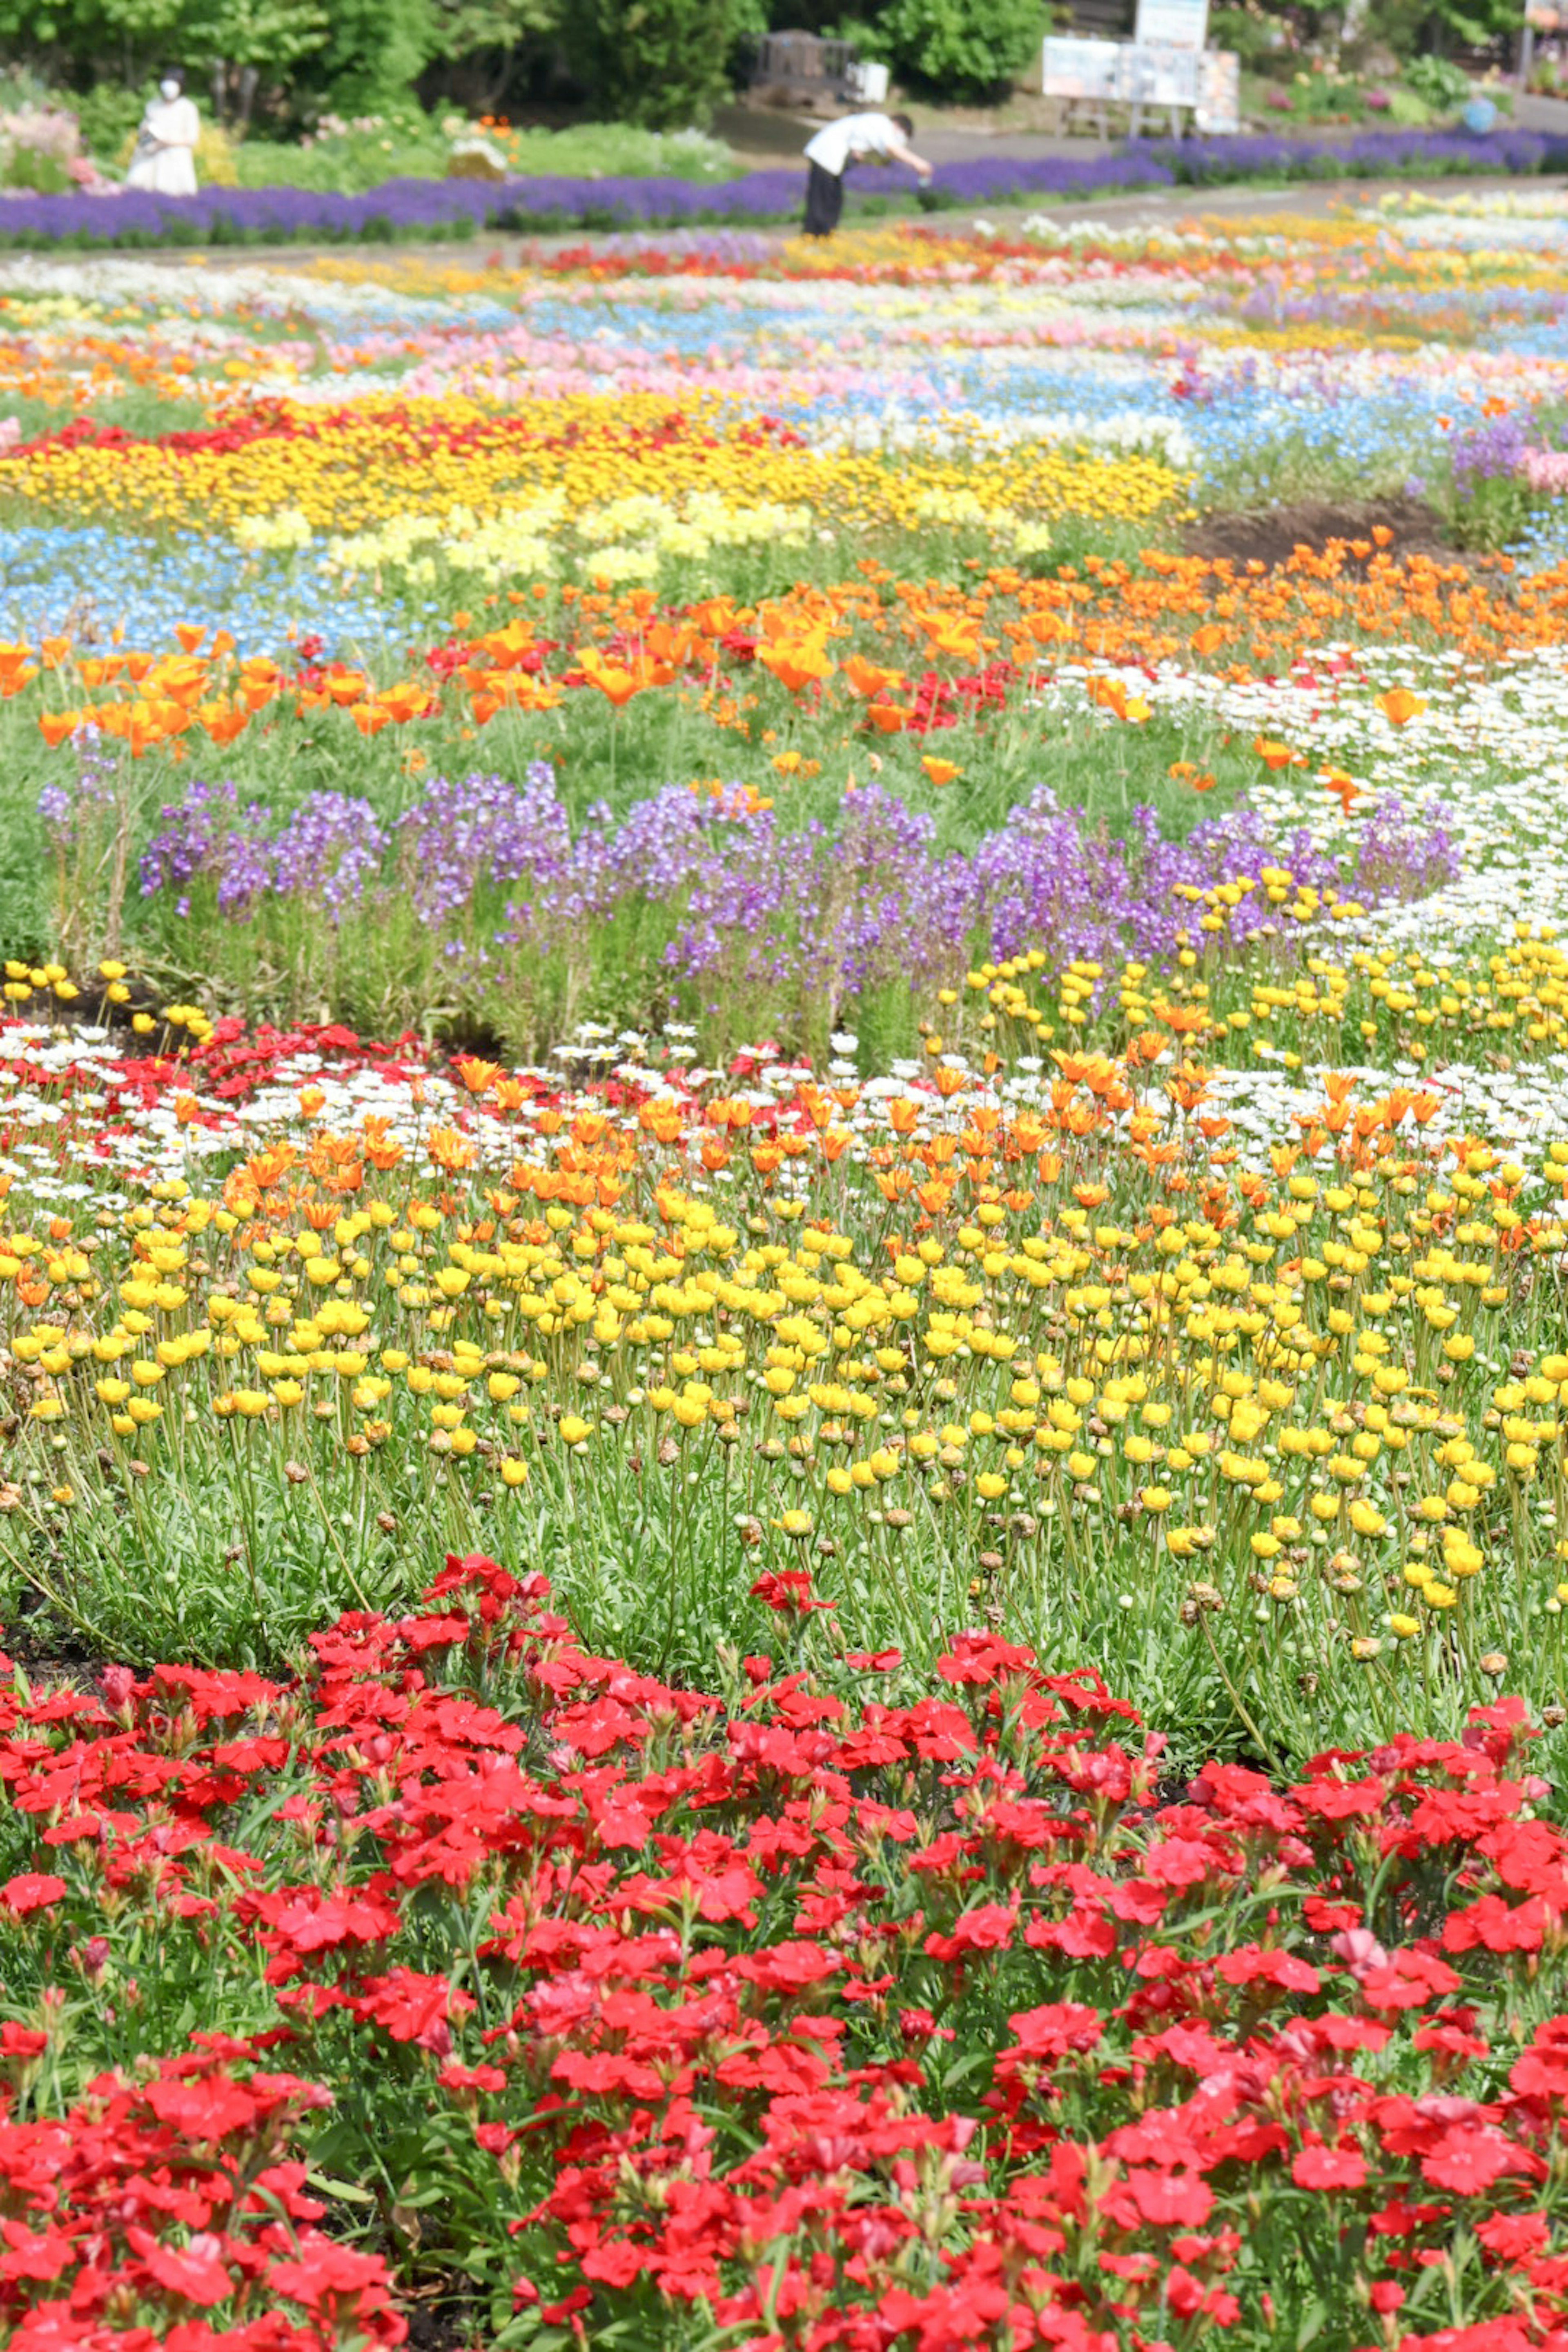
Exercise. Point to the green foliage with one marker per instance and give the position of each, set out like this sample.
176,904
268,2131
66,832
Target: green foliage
1385,28
869,37
1408,111
1493,513
377,49
347,158
464,26
1251,34
658,63
1476,23
41,174
128,38
496,28
1438,82
274,35
108,115
962,49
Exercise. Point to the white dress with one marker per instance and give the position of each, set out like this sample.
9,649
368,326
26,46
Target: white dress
163,162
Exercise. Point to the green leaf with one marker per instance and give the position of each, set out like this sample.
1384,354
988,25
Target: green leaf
343,2191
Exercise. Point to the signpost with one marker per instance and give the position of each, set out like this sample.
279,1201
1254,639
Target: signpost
1220,93
1087,76
1160,77
1084,75
1172,24
1081,69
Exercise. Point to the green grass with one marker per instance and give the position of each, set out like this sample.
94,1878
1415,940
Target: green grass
136,410
352,164
1297,469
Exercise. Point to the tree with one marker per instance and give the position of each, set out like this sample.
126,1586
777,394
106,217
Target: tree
497,31
375,51
128,37
961,48
238,41
660,63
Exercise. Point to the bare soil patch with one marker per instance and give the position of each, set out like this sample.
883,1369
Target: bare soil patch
1272,536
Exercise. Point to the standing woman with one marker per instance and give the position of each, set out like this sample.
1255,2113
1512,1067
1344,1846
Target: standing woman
165,159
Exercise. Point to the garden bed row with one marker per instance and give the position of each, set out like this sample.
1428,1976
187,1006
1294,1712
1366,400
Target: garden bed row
439,209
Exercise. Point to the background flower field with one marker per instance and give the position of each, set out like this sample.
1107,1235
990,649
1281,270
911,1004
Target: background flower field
844,968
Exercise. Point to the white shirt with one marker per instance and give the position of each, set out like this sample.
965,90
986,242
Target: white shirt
839,145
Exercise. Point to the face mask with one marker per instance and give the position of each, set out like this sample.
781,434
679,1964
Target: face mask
169,89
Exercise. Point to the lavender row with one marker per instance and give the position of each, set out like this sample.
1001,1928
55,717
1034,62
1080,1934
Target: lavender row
435,208
720,894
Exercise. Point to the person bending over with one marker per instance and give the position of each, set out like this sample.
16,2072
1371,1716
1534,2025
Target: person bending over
853,139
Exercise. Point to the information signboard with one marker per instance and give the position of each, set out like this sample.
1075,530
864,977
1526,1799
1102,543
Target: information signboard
1159,76
1220,93
1088,74
1171,24
1084,71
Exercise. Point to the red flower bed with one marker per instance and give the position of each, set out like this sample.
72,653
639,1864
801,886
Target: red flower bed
818,2012
153,2200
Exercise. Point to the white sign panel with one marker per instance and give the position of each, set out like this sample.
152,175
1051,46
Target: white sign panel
1219,91
1146,74
1171,24
1160,77
1081,69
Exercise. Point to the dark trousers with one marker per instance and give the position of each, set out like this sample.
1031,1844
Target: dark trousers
823,201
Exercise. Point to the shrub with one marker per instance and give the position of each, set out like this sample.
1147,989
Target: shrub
376,49
1441,84
661,64
962,49
215,158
